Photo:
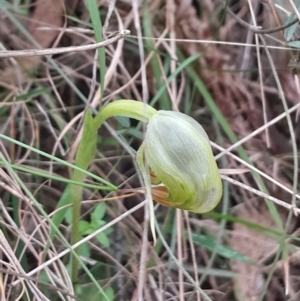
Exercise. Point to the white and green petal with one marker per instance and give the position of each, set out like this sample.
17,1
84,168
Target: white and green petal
178,152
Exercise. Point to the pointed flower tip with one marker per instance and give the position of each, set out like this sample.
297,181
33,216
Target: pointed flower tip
178,153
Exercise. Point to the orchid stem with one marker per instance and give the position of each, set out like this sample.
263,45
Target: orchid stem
86,152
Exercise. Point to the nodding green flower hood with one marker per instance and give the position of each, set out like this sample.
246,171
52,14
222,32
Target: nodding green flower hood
177,153
175,159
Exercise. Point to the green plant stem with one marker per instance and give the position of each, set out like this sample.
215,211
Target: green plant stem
86,152
126,108
76,196
84,156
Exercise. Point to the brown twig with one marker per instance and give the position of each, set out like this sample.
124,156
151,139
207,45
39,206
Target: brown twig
51,51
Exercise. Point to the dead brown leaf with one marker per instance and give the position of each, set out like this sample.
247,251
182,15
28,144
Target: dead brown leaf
253,244
46,13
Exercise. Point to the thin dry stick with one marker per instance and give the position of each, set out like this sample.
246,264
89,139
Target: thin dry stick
145,95
246,60
296,79
260,73
85,239
259,130
170,16
143,256
173,257
21,234
289,122
10,254
33,129
179,252
50,127
257,30
112,4
251,167
156,290
51,51
216,42
2,289
295,9
96,99
14,191
171,93
186,215
50,286
263,195
55,89
137,74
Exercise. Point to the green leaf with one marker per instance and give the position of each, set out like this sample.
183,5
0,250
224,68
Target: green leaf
124,121
68,215
109,293
33,93
103,239
99,212
97,223
84,228
84,250
108,231
294,44
135,133
290,31
91,292
60,214
209,243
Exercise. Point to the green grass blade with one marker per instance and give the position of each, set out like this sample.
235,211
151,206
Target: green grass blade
97,26
37,151
30,170
149,43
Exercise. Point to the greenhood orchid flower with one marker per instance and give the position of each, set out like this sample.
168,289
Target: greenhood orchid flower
177,152
175,159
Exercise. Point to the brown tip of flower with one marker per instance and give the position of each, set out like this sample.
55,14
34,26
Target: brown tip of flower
160,194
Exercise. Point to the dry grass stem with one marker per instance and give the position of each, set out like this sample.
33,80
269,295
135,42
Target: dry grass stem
51,51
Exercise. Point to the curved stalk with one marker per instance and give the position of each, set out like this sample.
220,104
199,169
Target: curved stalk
86,152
